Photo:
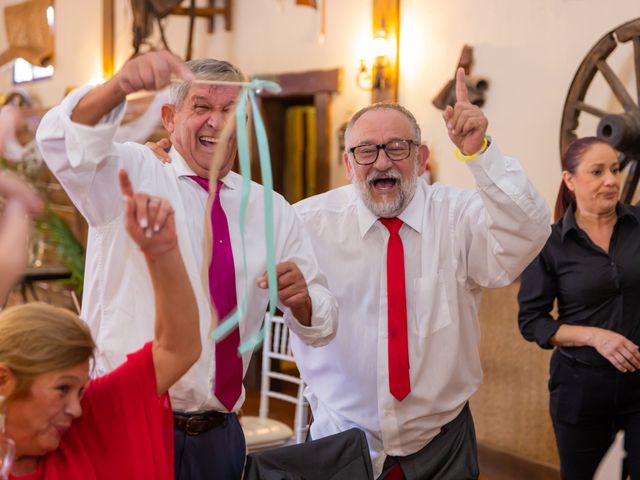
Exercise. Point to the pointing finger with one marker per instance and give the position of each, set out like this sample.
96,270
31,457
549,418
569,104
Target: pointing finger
462,94
125,183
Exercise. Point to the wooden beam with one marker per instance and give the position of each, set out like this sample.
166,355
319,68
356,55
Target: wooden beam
208,12
108,46
386,14
306,83
199,11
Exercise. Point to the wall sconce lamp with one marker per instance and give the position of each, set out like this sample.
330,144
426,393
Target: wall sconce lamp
372,74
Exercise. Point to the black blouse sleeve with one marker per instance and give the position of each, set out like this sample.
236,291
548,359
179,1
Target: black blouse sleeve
538,290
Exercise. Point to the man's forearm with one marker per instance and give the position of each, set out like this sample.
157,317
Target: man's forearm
97,103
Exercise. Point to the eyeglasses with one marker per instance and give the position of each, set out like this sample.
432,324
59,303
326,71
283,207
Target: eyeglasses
395,150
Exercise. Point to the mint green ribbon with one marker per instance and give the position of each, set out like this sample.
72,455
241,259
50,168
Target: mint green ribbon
234,318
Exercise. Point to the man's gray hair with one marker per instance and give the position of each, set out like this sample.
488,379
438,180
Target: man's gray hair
204,69
382,106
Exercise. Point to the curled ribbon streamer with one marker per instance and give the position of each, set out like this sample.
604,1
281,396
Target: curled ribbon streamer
267,182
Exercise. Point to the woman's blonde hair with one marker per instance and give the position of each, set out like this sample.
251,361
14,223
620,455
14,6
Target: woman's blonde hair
36,338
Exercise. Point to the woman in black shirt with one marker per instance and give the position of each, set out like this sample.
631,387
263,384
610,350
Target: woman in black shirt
591,266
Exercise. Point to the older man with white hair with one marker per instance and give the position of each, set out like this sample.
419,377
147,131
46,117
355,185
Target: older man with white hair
77,142
407,262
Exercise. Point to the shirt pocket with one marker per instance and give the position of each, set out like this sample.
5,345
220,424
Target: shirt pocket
431,305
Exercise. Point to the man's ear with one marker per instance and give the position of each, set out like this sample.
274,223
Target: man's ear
347,164
168,113
423,152
7,380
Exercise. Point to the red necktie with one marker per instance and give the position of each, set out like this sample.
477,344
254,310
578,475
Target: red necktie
395,473
222,289
398,347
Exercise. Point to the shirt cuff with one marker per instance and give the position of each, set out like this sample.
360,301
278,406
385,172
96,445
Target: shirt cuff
324,313
88,143
488,167
544,331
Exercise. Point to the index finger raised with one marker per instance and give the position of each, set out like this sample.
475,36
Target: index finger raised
125,183
462,94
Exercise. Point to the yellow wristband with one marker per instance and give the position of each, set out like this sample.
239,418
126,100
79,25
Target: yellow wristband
463,158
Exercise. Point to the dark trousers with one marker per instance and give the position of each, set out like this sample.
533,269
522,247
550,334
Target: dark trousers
589,404
218,454
451,455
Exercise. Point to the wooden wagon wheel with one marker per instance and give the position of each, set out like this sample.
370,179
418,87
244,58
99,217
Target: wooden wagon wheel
620,130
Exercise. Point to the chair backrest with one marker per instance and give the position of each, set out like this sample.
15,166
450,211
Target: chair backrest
276,347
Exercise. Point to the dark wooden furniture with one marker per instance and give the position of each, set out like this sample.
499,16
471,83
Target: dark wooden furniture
313,88
32,275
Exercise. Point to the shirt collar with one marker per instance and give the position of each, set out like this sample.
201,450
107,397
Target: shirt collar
412,215
623,212
569,220
183,170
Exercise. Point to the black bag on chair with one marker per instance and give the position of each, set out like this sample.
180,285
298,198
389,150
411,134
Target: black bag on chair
343,456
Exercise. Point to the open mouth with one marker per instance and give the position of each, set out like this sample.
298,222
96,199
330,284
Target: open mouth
383,183
207,141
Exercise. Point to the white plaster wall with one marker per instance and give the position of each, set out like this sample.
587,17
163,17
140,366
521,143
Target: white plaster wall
528,49
78,49
276,36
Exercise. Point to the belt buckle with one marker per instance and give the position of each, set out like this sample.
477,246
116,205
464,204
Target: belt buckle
191,426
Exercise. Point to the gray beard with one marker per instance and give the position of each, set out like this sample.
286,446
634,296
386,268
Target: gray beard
387,208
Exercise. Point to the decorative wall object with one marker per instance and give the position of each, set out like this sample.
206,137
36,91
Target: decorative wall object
621,130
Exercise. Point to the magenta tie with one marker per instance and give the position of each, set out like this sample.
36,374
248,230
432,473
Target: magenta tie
222,289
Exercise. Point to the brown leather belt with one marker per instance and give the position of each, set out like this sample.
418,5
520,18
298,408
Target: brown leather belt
199,423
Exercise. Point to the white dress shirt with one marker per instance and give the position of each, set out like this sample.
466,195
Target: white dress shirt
455,242
118,300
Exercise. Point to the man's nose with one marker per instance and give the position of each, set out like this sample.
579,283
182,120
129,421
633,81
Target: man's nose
216,120
383,162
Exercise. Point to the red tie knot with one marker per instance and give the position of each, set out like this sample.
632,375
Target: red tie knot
392,224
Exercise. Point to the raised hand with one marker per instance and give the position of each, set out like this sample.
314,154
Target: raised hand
292,290
151,71
466,124
148,219
20,203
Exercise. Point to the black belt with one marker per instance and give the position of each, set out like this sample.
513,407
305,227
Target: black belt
195,424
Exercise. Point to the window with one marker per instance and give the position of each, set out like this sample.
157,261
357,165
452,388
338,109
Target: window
23,71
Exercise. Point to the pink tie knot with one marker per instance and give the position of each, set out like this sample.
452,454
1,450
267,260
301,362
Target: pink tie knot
204,182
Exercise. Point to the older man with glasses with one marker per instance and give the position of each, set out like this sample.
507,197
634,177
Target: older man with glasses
407,262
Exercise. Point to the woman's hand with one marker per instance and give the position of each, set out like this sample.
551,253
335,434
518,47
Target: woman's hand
20,204
148,219
619,350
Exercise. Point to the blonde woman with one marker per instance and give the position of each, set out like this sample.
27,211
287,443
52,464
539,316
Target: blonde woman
66,426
